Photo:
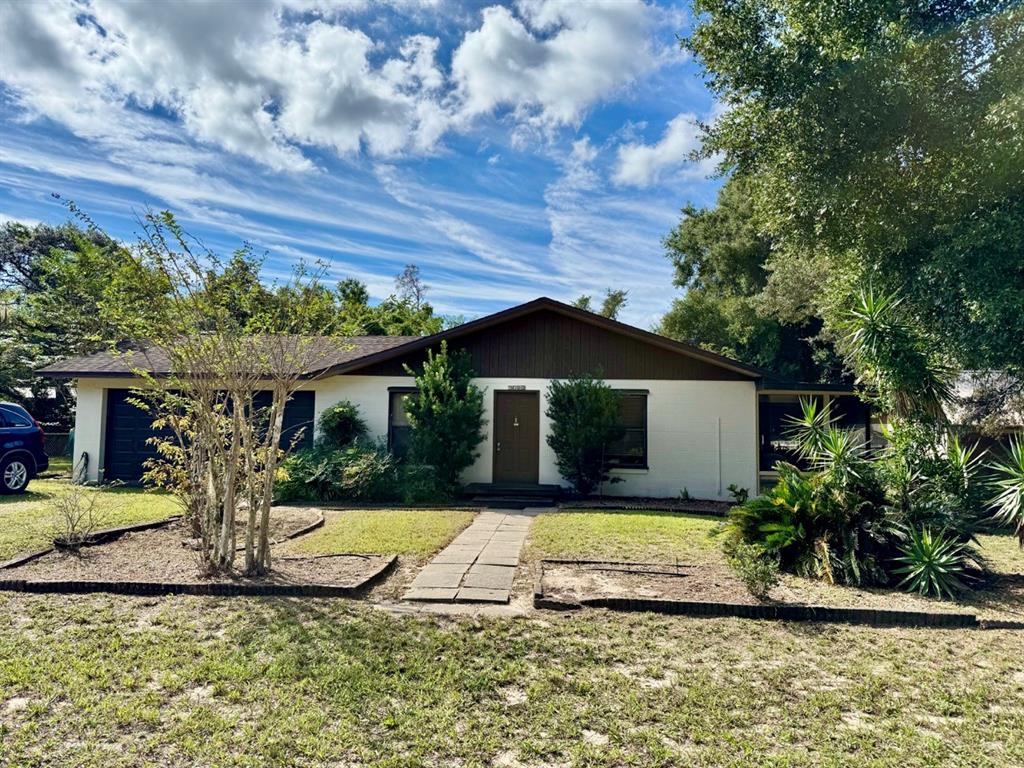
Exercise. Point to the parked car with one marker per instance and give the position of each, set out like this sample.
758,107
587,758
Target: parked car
22,448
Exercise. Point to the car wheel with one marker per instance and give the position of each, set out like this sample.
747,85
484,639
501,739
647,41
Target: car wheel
14,475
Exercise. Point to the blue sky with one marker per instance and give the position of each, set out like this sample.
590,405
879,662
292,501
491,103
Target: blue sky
511,151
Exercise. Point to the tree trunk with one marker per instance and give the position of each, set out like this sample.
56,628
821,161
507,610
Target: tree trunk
227,531
270,469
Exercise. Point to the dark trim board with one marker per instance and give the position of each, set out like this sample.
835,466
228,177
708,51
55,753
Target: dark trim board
374,363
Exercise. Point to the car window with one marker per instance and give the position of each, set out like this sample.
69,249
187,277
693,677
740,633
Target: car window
10,418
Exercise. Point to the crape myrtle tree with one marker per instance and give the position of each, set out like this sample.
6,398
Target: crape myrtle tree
225,438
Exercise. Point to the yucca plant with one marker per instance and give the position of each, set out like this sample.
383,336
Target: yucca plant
809,429
934,564
1008,485
896,356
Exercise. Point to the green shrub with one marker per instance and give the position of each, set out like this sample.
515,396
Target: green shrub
446,414
758,571
360,472
584,414
935,564
419,485
340,425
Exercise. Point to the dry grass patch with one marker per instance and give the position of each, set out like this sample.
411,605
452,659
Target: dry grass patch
258,682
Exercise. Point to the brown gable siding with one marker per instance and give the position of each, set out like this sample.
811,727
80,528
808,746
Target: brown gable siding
549,345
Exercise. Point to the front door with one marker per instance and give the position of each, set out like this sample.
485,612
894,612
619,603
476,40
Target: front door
516,437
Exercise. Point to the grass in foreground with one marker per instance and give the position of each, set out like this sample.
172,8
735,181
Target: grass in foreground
417,532
626,535
108,681
60,467
27,521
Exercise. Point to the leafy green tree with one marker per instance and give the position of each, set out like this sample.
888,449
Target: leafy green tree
584,414
69,290
239,289
446,415
720,259
614,300
880,142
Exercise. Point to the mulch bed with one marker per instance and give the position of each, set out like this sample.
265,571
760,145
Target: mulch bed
692,506
162,557
713,590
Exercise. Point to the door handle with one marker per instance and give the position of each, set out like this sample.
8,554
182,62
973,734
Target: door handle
498,447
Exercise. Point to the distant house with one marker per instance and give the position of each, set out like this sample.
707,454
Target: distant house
693,420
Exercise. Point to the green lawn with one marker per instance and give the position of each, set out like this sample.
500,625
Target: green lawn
27,521
109,681
627,535
417,532
60,466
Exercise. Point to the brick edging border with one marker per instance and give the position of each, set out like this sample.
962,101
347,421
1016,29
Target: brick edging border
96,537
217,589
877,617
110,534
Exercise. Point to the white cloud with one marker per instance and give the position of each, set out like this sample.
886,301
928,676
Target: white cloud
602,239
640,165
288,75
554,60
246,82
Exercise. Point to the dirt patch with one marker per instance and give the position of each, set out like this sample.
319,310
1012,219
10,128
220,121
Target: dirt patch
1003,599
162,555
694,506
575,582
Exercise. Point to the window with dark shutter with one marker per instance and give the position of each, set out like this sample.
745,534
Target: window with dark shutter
399,431
631,449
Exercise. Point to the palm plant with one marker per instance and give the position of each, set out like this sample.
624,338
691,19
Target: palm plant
934,563
1008,485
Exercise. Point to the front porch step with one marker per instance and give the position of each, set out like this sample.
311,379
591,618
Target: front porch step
512,502
513,490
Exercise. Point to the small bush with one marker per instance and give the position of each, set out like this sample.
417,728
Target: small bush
76,517
934,564
756,569
360,472
340,426
738,493
419,484
584,415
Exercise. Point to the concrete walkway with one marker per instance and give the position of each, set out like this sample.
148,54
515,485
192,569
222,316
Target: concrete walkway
479,565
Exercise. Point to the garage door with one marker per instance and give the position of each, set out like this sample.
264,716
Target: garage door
128,430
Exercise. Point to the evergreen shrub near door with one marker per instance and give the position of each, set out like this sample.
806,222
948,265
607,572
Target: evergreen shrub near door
446,413
584,413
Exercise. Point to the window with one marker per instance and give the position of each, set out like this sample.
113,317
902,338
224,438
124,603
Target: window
12,418
631,449
399,431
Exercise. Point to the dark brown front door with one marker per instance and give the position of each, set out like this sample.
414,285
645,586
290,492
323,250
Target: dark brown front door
516,437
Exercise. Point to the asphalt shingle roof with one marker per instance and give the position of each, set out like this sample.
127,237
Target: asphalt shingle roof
326,351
